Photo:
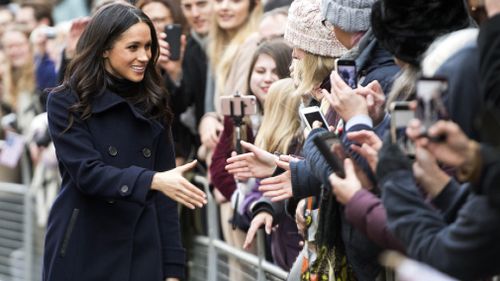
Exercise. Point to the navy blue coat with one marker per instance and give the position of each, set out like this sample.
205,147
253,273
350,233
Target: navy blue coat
106,223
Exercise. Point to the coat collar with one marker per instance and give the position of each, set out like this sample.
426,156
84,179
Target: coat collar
107,99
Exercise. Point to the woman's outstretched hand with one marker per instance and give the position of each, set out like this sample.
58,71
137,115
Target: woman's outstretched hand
173,184
256,163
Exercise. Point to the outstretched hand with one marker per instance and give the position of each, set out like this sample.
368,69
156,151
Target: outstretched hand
257,163
278,188
173,184
261,219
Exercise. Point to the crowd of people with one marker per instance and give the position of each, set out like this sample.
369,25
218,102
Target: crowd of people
114,126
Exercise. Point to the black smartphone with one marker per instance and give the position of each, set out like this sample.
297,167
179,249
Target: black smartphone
325,142
311,114
347,71
401,114
174,32
430,105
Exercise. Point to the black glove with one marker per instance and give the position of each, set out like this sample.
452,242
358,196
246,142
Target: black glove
391,159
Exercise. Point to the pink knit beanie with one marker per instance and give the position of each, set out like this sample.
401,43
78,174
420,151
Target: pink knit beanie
304,30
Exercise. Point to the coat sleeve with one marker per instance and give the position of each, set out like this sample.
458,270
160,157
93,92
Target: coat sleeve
83,163
467,249
489,59
367,214
173,254
221,179
304,183
319,167
451,199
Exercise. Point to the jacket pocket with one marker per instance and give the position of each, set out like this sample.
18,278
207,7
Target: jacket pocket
67,233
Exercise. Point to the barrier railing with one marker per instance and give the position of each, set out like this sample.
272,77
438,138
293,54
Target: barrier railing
210,255
21,241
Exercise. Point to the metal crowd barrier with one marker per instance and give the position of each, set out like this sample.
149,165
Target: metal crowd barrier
21,241
210,255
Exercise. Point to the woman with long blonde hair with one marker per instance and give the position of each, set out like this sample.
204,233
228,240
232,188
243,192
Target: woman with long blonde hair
232,41
280,129
18,96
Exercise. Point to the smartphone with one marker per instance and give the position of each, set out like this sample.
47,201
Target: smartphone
401,114
347,71
430,105
50,32
311,114
174,32
325,142
238,105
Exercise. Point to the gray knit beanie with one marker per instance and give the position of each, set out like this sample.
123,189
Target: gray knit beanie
348,15
305,30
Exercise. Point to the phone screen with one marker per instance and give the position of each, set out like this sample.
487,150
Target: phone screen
430,106
399,121
347,71
315,116
331,149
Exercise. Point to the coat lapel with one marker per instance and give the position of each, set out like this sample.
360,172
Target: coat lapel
106,100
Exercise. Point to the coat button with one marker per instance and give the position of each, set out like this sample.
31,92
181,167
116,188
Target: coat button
112,151
124,189
146,152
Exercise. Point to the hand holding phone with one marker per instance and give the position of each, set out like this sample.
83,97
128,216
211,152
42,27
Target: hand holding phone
347,71
401,115
430,106
324,143
311,114
174,32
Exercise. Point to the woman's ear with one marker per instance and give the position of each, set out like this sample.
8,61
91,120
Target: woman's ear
105,54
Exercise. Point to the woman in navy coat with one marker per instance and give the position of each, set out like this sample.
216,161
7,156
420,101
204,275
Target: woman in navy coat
115,217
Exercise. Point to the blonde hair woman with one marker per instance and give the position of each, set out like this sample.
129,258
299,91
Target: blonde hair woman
18,87
232,42
280,129
19,72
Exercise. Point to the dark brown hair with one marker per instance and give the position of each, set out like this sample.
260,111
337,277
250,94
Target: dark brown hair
279,51
86,73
